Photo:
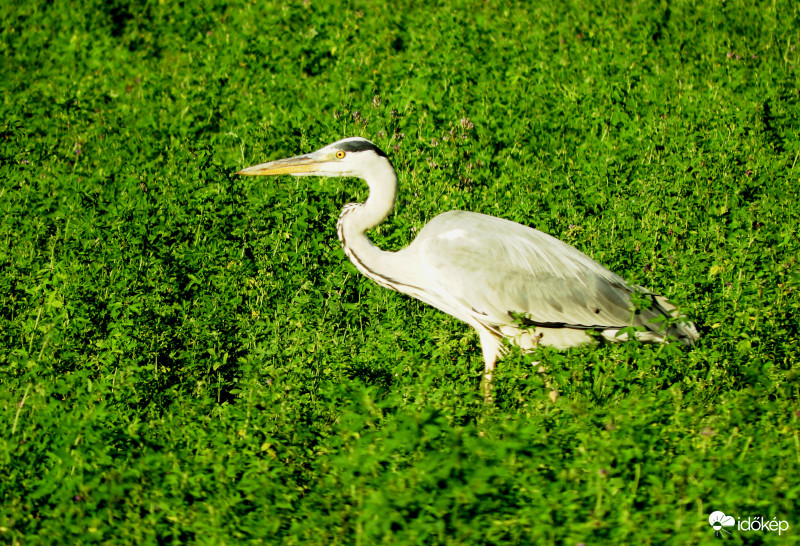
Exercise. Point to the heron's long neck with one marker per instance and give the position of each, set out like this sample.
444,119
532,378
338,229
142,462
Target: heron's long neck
357,218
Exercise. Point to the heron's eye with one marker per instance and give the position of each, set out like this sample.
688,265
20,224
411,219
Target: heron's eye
340,154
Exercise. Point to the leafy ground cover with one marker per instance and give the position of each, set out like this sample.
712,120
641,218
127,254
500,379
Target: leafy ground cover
186,356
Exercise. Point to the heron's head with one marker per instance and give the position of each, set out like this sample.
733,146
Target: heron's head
353,156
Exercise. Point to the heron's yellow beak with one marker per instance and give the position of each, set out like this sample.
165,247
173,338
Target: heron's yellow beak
292,165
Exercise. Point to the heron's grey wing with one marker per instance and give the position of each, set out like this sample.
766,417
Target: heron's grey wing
493,267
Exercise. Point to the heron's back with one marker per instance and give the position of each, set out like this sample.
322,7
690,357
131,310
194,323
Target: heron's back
506,275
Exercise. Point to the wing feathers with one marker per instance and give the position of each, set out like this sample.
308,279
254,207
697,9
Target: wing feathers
496,268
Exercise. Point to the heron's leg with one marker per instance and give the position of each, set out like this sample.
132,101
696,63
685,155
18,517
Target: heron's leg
486,388
491,348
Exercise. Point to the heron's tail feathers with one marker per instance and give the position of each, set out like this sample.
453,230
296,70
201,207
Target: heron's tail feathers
678,326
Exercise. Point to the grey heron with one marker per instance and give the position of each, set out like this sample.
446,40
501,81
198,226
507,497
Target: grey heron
506,280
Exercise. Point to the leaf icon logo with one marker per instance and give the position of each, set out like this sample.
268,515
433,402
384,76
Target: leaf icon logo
718,520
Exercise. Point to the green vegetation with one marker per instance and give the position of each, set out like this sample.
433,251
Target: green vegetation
187,356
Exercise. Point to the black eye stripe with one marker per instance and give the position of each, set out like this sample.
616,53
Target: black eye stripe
360,146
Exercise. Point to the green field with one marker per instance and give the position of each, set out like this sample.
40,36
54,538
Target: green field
187,356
